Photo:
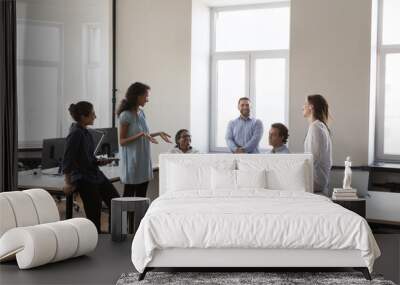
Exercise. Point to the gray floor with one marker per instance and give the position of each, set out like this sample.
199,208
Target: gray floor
110,260
103,266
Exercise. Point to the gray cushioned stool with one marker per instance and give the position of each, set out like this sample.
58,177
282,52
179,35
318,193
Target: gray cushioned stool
119,209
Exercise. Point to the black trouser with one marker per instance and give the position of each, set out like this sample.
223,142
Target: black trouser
136,190
92,195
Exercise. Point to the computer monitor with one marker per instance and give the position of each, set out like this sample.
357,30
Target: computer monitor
105,140
52,152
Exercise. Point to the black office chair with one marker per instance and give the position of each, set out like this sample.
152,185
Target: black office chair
52,156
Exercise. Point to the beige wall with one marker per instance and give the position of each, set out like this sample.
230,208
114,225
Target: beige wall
330,55
153,46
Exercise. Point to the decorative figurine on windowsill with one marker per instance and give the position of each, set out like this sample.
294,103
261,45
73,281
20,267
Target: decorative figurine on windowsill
347,174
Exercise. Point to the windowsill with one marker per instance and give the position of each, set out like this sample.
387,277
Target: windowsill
361,167
380,166
385,166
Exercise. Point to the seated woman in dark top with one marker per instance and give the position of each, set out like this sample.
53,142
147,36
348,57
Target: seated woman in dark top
81,167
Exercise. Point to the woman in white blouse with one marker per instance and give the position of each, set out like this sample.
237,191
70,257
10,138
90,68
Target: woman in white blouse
318,140
183,140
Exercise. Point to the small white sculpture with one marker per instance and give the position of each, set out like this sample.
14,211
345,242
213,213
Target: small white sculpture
347,174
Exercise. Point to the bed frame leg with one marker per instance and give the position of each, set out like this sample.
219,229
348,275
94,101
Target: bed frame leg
143,274
364,271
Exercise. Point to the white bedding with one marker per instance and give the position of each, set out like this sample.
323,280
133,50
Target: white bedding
251,218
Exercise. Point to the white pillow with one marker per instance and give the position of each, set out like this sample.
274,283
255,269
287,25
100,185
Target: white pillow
183,178
251,178
283,172
223,179
185,174
236,179
293,179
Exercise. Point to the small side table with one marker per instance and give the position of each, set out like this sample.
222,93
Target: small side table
119,209
355,205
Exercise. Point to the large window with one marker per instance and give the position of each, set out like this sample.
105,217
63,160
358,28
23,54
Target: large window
63,56
388,79
250,58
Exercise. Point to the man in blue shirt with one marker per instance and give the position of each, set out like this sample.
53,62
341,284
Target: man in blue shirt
277,138
244,133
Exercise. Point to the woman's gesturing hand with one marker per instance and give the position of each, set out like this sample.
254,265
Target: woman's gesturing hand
166,137
151,139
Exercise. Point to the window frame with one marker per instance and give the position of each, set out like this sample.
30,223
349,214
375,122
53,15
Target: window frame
250,58
382,52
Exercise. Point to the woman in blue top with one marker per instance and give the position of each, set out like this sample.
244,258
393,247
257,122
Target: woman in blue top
135,138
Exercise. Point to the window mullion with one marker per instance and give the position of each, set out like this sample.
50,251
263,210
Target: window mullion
252,82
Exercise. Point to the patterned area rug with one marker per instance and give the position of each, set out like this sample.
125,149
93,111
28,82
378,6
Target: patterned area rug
229,278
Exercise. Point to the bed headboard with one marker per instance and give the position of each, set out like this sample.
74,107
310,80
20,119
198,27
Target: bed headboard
280,163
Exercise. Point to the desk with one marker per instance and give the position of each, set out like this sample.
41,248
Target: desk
53,183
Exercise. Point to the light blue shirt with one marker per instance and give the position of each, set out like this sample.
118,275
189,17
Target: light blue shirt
245,133
135,158
282,149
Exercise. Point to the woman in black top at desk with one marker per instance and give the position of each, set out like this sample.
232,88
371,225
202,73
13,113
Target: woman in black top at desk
81,167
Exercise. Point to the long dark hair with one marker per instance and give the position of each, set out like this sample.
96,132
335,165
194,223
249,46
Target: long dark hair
82,108
131,97
321,108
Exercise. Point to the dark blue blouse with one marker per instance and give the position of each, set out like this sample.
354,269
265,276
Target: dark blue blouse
79,158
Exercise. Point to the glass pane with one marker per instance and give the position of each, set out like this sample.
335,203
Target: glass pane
391,22
392,105
241,30
63,52
270,89
34,83
231,86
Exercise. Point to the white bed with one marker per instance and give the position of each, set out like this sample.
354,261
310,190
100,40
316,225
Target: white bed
224,210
